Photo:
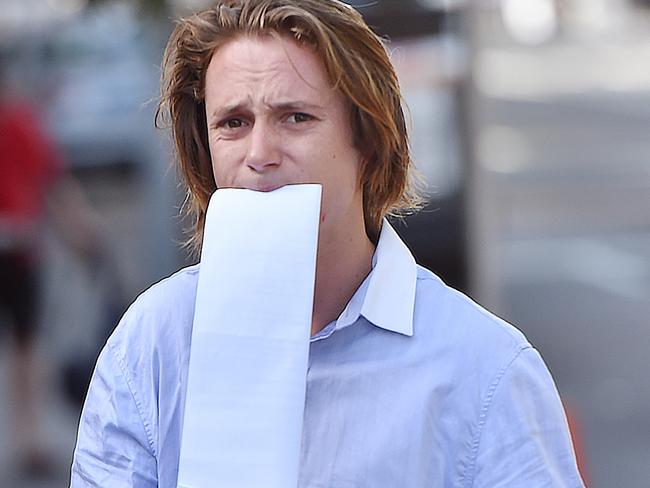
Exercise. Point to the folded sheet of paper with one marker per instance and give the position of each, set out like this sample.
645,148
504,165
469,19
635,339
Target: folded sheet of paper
250,340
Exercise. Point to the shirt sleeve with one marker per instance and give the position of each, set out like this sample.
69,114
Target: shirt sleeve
524,439
114,446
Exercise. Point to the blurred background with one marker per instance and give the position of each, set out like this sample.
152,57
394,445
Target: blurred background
530,122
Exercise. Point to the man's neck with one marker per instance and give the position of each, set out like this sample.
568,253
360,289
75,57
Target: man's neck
343,262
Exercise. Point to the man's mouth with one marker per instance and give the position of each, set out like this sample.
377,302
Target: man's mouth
266,187
263,187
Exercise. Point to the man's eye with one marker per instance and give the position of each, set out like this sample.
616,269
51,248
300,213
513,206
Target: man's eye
233,123
298,117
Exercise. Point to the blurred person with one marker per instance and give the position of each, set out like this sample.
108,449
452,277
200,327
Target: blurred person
410,382
34,185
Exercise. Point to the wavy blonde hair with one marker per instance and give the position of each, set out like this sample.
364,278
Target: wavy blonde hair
356,63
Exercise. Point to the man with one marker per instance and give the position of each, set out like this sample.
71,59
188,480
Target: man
410,383
34,188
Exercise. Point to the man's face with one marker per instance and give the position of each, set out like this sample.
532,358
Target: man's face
274,120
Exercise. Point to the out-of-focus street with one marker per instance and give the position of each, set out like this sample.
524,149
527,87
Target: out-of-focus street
558,226
563,244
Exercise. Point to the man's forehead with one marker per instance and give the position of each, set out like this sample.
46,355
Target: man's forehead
268,50
292,73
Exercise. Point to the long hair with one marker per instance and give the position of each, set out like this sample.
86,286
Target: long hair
356,63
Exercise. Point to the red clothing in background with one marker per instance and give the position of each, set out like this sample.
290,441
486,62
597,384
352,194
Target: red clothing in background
29,164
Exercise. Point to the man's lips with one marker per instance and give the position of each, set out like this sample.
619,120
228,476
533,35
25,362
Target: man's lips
266,187
263,187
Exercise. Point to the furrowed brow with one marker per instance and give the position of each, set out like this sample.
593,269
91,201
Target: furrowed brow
294,106
226,110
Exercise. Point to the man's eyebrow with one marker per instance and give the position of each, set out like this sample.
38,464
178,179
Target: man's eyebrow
226,110
293,105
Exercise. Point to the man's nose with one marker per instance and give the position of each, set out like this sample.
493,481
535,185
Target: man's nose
263,152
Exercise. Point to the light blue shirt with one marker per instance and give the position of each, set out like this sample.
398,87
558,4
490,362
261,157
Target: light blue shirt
414,385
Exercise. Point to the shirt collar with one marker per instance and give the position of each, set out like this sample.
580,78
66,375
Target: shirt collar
386,297
390,295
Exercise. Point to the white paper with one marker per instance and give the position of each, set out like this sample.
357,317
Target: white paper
250,340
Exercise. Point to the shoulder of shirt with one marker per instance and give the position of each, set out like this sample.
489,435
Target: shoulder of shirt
479,354
161,315
173,287
450,319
